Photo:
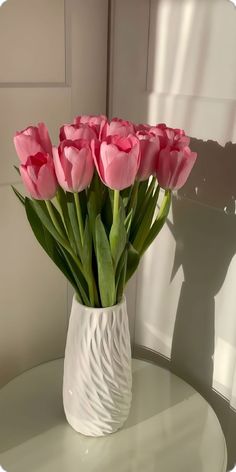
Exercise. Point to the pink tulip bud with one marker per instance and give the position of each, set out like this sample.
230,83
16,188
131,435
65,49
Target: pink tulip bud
174,167
149,147
95,122
31,141
117,160
39,177
177,138
73,164
141,127
118,127
174,137
74,132
161,134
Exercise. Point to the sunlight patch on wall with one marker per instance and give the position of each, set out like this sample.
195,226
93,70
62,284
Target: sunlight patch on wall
224,365
158,293
158,338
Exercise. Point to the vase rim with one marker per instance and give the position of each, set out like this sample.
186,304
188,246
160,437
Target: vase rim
99,309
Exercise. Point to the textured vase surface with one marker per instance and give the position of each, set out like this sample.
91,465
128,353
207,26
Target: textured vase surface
97,369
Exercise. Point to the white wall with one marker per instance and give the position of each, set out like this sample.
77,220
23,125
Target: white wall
50,71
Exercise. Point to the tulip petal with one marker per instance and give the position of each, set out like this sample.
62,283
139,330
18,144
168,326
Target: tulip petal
121,172
95,147
31,131
32,173
119,127
29,185
108,153
184,168
26,146
174,167
59,170
82,170
45,139
149,152
77,160
46,184
163,168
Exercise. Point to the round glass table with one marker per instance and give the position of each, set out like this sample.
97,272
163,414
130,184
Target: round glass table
170,427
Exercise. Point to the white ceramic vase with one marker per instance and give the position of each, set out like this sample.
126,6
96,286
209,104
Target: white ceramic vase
97,369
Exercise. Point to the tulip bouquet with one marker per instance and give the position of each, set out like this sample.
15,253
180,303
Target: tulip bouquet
93,199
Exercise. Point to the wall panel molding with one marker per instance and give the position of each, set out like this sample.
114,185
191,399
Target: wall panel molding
33,42
183,58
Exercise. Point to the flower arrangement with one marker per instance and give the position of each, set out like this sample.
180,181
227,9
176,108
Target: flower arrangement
93,199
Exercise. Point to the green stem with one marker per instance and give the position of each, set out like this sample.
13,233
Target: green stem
116,205
79,217
50,208
145,223
96,298
138,216
165,200
133,197
90,287
159,222
61,213
148,193
62,240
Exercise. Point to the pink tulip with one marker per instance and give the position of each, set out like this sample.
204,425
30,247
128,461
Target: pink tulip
39,177
117,160
95,122
149,147
74,132
118,127
174,167
141,127
160,135
73,164
174,137
177,137
31,141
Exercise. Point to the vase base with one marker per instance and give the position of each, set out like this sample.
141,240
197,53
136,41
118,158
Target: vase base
92,430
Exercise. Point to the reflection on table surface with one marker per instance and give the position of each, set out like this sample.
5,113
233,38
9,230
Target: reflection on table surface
170,427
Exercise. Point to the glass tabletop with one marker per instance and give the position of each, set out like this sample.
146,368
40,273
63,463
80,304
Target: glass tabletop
170,427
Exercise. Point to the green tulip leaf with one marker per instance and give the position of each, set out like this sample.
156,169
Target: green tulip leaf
62,202
159,222
87,262
142,189
145,224
128,221
79,278
92,212
144,198
106,276
42,213
132,262
18,194
118,237
17,169
125,195
87,248
74,222
48,243
122,277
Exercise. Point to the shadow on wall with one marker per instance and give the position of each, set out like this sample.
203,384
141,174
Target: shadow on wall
204,249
